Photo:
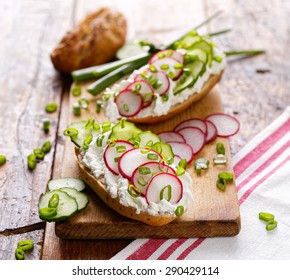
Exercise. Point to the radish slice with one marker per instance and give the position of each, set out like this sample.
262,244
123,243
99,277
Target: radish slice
113,153
226,125
143,173
129,104
144,89
183,150
167,53
167,65
133,158
194,122
159,81
177,159
169,136
211,131
164,186
194,137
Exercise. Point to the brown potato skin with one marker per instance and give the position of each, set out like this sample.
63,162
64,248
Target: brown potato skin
95,40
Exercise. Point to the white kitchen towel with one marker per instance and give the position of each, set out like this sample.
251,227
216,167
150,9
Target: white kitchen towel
262,174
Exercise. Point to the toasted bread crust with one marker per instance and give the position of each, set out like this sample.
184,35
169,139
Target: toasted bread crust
177,109
126,211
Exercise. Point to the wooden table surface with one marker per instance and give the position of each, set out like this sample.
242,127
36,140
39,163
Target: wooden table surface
256,90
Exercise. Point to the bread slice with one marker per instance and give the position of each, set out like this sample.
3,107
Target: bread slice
129,212
178,108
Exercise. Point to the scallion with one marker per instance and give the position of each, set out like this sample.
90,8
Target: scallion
144,170
266,216
38,153
89,123
2,159
152,156
121,149
76,91
167,189
25,245
133,191
98,106
271,225
53,201
77,109
51,108
220,148
226,176
46,147
45,125
179,211
71,131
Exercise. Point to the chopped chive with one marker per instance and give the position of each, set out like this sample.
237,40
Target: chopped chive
106,96
165,97
98,106
178,66
164,67
183,163
271,225
266,216
147,97
149,143
46,147
77,109
51,108
201,164
144,170
152,156
31,161
141,181
2,159
179,211
138,86
220,148
122,122
169,52
87,142
226,176
47,212
152,68
76,91
96,127
84,103
70,131
121,149
221,184
19,254
220,159
179,171
161,55
53,201
217,58
25,245
39,154
171,75
45,125
106,126
89,123
133,191
168,189
126,107
116,159
161,162
99,141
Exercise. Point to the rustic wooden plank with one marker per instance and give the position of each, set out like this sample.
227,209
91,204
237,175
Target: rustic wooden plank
255,89
28,82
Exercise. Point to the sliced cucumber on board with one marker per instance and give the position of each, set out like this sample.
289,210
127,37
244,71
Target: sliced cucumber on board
74,183
124,130
66,208
81,198
83,133
147,139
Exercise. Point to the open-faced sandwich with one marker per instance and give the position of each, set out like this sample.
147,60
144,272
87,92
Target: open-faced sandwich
171,81
131,170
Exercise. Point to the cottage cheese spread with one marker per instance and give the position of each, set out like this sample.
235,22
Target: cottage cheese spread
160,107
117,186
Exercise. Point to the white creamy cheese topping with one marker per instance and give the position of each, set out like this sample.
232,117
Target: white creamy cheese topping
160,107
117,186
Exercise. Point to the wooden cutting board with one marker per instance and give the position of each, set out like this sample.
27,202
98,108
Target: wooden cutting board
212,213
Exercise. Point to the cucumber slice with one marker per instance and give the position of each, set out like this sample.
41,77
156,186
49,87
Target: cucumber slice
147,138
124,130
199,54
188,78
66,208
165,150
67,182
130,49
206,47
81,198
83,132
188,41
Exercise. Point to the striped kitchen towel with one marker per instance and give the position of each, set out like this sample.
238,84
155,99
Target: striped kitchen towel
262,174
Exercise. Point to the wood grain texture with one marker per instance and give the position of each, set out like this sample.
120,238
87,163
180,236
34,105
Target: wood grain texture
28,82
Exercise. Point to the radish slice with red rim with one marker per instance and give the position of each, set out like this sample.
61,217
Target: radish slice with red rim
158,80
194,122
167,53
164,186
134,158
211,131
194,137
113,153
129,104
170,66
143,174
177,159
226,125
144,89
182,150
167,136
